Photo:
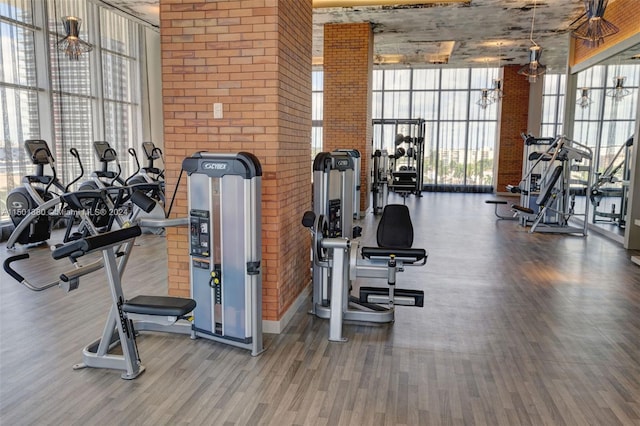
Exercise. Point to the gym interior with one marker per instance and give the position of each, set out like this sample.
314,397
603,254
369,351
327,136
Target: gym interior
320,212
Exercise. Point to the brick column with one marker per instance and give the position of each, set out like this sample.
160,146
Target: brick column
513,121
254,57
348,73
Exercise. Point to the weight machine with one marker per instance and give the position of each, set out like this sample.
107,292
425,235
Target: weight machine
613,182
380,185
336,257
406,163
357,164
551,182
226,247
225,266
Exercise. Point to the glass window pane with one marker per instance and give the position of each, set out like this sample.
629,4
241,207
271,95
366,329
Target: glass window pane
428,79
317,81
396,105
116,32
476,112
17,53
377,79
586,132
451,155
431,153
453,105
376,111
480,153
549,109
18,122
425,105
455,78
623,108
482,78
397,79
18,10
316,141
117,77
317,106
548,130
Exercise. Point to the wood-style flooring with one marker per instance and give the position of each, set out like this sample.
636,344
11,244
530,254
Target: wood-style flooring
517,329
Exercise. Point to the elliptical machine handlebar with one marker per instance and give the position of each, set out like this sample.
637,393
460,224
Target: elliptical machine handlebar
132,152
74,152
119,167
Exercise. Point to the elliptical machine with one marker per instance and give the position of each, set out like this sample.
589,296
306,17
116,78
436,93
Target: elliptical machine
29,202
150,174
104,177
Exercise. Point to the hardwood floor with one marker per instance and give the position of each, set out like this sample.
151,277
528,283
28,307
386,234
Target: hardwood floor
517,329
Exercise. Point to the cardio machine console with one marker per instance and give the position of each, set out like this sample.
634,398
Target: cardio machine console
105,153
150,150
38,150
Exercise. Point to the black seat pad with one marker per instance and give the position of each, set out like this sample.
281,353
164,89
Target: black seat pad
395,229
159,305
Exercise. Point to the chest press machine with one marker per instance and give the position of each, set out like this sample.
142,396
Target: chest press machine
337,260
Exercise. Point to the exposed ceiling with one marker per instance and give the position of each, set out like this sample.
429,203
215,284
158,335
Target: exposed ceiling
468,33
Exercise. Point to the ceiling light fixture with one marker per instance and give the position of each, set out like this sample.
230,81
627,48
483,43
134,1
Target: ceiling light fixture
595,28
484,100
71,44
496,91
534,68
584,100
619,91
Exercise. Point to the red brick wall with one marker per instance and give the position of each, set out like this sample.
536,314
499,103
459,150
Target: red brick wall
348,73
254,57
515,108
624,14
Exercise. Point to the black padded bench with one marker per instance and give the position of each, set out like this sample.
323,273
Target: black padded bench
159,306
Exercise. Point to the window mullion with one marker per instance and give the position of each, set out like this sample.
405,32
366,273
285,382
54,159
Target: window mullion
97,87
42,57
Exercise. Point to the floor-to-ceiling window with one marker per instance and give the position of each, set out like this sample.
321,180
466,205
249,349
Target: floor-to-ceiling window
19,89
553,97
609,120
460,130
606,124
317,107
69,103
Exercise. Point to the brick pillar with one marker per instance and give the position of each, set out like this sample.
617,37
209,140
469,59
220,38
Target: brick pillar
254,57
348,73
513,121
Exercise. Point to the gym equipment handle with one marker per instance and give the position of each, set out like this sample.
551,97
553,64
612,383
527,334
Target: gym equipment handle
9,270
85,245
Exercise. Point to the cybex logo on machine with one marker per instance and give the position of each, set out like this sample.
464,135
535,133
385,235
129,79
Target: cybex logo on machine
210,165
342,163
